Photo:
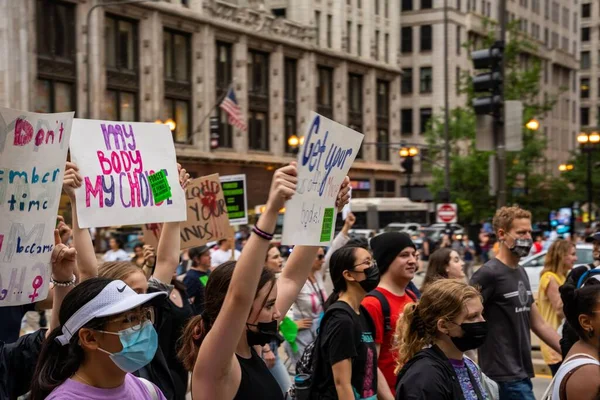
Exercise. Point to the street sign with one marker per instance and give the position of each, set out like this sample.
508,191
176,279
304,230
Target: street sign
447,213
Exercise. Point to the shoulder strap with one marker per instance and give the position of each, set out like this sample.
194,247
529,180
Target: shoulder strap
385,309
412,296
563,383
151,388
473,380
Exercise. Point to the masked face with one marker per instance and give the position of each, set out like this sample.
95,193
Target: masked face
139,343
520,247
261,327
365,271
470,331
262,333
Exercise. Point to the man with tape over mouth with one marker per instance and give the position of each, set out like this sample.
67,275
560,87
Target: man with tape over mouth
396,256
510,309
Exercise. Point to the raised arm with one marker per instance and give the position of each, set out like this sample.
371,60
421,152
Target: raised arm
64,262
167,253
214,364
298,267
82,240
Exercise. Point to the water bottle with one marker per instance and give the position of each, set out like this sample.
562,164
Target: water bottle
302,383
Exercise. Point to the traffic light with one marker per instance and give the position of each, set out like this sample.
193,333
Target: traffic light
214,132
407,164
488,84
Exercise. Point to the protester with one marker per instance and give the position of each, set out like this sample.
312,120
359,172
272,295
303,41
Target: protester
467,252
138,257
224,253
105,334
444,264
18,360
116,252
309,308
427,249
396,257
509,308
433,336
579,375
274,261
347,356
340,240
558,263
243,305
196,277
538,245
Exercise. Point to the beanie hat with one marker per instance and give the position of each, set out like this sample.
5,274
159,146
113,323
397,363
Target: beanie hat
387,246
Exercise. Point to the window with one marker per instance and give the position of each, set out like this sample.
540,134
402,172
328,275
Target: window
122,81
290,96
258,100
178,82
376,7
325,91
458,5
386,48
318,26
584,116
383,120
407,5
586,10
426,38
584,88
457,81
546,37
359,40
406,46
376,49
565,17
386,8
224,70
426,80
555,12
349,37
56,64
385,188
547,9
425,114
406,121
458,40
329,31
407,81
585,34
425,4
355,104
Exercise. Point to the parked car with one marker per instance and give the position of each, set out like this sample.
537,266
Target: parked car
455,227
535,264
363,233
408,227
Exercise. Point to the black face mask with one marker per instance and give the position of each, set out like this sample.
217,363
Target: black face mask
371,278
521,247
266,333
474,334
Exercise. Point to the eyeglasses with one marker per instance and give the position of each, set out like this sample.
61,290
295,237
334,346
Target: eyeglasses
320,256
370,263
136,318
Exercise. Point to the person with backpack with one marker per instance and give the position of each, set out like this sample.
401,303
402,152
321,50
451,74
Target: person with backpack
432,337
396,257
579,375
344,353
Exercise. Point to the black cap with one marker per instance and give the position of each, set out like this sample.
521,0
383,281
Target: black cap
593,237
387,246
197,251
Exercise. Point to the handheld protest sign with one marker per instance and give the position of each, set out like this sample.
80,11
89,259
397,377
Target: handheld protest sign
151,233
33,153
129,172
207,218
234,191
324,160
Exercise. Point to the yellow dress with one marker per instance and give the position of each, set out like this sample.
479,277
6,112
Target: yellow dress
548,313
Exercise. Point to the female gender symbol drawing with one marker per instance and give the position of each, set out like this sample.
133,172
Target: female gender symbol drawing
37,283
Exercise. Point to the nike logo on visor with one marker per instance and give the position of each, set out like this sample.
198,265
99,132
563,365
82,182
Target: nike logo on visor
122,289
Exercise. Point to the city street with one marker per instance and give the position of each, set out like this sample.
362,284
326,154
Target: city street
540,384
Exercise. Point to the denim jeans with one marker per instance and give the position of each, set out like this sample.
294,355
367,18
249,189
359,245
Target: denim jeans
279,372
521,389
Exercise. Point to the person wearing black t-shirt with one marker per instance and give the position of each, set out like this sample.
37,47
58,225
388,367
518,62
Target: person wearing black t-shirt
346,360
197,276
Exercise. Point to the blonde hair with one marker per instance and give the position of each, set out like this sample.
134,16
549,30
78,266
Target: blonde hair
506,215
555,259
443,299
118,270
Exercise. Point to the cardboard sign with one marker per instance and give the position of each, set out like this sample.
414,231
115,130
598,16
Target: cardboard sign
33,152
115,160
234,191
207,218
324,160
151,233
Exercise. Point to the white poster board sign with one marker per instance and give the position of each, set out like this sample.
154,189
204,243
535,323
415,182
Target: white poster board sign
115,160
236,200
33,153
324,160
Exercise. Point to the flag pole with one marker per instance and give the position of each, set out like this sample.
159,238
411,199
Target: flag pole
214,106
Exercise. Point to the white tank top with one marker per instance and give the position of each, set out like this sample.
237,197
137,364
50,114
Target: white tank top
568,365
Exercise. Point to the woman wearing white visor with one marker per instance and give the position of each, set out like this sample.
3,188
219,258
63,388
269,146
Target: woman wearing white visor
106,333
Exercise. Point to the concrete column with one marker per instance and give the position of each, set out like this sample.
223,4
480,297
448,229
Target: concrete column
307,81
395,118
151,64
340,93
240,79
204,77
276,102
370,119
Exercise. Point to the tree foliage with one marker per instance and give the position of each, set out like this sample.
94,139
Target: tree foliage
529,182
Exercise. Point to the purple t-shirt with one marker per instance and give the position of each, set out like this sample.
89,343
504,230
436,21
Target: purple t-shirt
132,389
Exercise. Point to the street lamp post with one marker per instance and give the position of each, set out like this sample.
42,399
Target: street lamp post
588,142
89,45
408,153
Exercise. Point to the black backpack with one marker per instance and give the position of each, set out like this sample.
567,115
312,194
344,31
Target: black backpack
385,307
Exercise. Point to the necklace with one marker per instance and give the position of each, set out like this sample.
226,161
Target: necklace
83,379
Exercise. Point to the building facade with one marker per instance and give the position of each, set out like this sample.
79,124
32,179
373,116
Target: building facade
175,59
552,24
589,81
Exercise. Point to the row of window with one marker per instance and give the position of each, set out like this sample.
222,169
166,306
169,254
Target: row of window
409,5
425,80
406,118
586,59
584,115
425,36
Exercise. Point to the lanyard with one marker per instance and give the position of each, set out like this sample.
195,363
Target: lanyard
474,383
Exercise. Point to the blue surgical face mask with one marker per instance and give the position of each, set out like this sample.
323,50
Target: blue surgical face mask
139,343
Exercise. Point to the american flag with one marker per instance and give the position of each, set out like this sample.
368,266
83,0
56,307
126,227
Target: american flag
232,108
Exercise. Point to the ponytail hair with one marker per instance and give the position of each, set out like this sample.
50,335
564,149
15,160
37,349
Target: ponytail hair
198,327
57,363
443,299
579,301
